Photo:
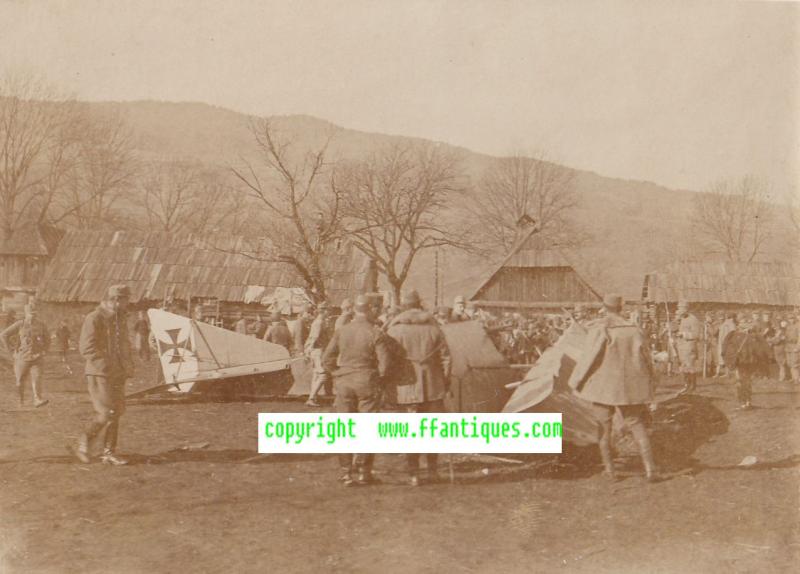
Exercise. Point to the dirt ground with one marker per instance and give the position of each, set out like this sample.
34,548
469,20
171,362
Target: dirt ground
224,508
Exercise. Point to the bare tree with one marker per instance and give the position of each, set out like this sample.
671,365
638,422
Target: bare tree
101,175
518,186
34,128
299,206
395,206
733,218
179,196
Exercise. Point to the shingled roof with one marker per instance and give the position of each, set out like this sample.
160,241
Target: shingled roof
775,284
161,265
31,240
531,251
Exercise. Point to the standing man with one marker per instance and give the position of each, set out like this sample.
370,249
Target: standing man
747,354
241,324
358,356
459,312
423,377
615,374
778,343
319,334
346,316
105,345
63,337
278,332
28,341
728,326
141,333
690,336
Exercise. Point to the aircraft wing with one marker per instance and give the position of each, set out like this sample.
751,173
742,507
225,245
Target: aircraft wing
191,351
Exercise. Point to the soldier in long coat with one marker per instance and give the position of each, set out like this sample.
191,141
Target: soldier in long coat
690,339
423,371
615,374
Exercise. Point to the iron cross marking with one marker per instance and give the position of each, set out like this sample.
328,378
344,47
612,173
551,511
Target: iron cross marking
174,345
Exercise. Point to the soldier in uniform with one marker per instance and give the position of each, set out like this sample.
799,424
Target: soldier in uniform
28,340
792,349
459,312
690,337
423,375
727,327
319,334
63,337
358,357
141,332
778,343
615,373
346,315
241,324
278,332
747,354
105,345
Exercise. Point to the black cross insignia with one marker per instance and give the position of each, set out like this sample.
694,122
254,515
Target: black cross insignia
174,345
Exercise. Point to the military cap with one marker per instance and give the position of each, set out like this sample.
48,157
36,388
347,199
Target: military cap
119,291
361,305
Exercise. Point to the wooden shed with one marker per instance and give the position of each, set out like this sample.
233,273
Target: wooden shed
536,275
725,285
24,256
187,269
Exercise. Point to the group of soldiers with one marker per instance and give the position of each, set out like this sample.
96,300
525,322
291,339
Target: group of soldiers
365,350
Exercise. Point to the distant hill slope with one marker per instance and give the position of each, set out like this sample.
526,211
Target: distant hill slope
637,226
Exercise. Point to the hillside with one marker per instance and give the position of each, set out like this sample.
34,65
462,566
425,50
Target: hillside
636,226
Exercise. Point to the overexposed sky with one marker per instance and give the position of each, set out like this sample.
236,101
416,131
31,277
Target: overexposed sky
679,93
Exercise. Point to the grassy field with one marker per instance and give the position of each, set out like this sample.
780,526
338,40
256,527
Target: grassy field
223,508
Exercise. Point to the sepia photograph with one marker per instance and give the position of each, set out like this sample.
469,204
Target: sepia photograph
383,286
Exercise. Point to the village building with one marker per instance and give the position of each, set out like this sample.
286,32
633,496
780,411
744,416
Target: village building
725,285
24,256
181,272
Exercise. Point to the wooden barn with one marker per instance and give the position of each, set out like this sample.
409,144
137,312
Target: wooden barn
24,256
725,285
536,275
184,271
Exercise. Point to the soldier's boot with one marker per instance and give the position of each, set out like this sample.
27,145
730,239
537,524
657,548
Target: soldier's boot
108,457
646,452
606,455
82,450
38,401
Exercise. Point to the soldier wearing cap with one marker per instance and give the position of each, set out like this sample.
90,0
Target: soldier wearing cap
615,373
28,340
459,312
423,375
777,340
690,337
346,315
105,345
358,356
747,354
278,332
319,334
